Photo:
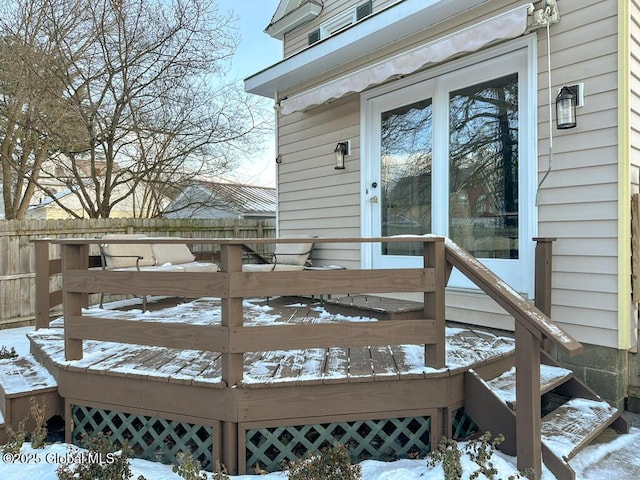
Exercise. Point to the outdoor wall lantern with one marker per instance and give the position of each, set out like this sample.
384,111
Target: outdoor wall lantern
341,150
566,102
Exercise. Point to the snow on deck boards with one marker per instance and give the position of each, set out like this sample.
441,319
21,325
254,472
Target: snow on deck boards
23,374
574,424
464,348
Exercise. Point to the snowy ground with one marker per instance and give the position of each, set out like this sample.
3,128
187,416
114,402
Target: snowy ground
617,459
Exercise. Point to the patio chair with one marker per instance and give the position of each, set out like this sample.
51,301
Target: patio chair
286,257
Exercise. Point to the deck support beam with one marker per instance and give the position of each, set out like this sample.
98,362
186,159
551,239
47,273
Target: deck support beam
230,447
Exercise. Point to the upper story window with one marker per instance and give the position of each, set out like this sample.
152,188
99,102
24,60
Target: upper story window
340,22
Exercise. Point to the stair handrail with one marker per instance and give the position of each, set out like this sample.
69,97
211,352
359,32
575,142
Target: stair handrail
515,304
532,327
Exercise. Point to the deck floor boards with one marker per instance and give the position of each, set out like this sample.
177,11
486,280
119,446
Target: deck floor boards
264,369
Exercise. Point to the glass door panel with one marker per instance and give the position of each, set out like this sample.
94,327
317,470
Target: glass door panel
405,174
483,168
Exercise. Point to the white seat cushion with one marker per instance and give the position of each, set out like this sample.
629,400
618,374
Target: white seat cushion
173,253
292,253
199,267
122,255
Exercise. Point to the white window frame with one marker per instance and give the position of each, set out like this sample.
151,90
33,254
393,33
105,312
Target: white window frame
524,52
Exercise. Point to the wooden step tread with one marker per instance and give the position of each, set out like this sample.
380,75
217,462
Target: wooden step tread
382,308
23,375
550,377
575,424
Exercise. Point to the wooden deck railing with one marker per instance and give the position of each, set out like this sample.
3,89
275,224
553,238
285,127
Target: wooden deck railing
232,285
532,326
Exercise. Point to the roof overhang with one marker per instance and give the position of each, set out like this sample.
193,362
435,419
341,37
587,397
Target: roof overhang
304,13
363,38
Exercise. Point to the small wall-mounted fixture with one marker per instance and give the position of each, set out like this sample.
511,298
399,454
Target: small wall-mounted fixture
566,103
342,149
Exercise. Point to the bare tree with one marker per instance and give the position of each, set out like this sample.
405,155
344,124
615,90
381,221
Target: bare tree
144,85
33,110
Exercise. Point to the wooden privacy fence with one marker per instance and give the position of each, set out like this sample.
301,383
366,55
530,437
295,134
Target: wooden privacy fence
233,339
18,257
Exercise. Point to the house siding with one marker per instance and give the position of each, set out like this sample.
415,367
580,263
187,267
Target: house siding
577,204
634,94
297,39
313,197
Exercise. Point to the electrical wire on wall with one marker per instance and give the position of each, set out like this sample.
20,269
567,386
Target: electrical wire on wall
550,105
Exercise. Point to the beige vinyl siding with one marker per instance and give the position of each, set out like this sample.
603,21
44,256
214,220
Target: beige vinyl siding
297,39
634,94
578,202
634,117
313,197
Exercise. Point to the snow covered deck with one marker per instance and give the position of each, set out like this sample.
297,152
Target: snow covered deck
282,388
373,381
464,349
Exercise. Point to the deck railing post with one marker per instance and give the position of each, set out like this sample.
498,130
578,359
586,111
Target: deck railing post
42,284
528,422
434,302
232,363
232,315
74,257
543,272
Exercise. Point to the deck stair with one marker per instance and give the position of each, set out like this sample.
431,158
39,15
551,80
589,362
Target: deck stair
572,414
21,379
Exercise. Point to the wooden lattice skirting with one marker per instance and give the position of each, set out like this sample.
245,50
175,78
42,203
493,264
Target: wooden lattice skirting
150,438
265,447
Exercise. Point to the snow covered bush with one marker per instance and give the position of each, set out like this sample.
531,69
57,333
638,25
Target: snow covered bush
7,353
101,461
330,464
479,452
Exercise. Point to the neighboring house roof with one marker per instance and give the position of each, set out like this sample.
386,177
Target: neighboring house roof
223,200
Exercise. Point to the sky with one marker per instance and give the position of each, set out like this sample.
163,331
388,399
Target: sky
256,51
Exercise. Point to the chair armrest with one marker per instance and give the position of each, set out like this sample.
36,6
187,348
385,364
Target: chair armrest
104,256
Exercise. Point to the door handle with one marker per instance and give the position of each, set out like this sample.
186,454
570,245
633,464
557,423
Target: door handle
374,199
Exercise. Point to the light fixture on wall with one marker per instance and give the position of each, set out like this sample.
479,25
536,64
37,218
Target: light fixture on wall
566,103
341,150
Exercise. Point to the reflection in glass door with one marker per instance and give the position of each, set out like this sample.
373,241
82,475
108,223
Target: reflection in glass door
405,174
483,168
